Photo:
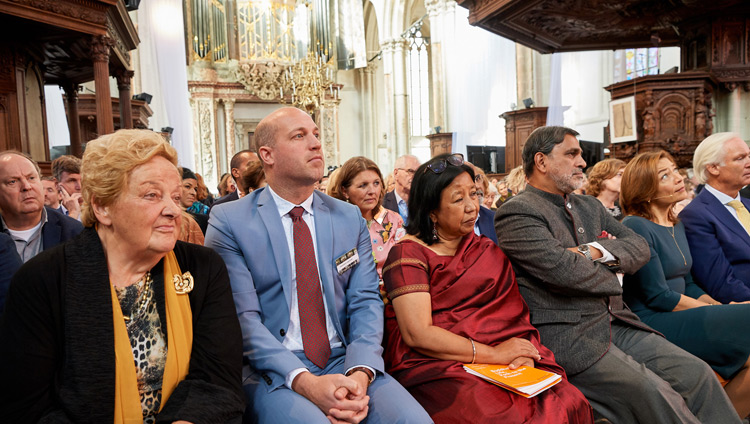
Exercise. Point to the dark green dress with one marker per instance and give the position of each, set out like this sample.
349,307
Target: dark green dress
716,334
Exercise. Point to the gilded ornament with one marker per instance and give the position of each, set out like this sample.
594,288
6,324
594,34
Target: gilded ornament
183,284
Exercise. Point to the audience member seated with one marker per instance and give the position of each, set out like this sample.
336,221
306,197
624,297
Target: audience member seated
663,293
398,199
454,300
484,224
306,291
516,180
204,196
604,184
123,324
9,264
67,171
240,161
51,194
253,177
567,252
503,194
226,185
189,199
361,184
689,189
717,221
190,230
32,226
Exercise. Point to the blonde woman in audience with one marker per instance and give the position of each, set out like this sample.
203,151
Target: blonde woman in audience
454,300
516,180
604,184
503,194
124,323
663,293
360,182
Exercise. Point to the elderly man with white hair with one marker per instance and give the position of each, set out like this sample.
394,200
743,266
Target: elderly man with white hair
717,221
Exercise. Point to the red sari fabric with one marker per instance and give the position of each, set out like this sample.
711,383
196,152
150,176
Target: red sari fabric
474,294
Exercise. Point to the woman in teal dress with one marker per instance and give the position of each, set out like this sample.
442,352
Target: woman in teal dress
663,293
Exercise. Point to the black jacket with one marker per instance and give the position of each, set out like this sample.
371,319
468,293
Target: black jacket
57,341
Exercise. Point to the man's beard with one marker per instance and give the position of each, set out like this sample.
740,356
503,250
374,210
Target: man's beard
566,183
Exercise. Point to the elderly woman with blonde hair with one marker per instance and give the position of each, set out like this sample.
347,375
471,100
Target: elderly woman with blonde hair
516,180
124,323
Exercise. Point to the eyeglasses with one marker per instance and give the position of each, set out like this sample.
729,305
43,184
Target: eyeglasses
437,167
408,170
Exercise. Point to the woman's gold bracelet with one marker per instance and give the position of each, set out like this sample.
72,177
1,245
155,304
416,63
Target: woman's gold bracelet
473,350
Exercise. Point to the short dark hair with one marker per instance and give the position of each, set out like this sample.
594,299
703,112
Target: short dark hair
65,163
543,139
424,196
237,158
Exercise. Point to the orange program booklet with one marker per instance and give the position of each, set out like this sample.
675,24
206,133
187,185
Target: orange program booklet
525,381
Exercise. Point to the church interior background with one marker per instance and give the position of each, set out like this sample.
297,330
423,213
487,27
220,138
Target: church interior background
381,78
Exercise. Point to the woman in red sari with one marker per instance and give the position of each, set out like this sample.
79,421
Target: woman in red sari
454,300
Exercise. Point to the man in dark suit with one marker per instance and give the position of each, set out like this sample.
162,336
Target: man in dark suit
717,221
567,252
307,299
403,173
32,226
239,163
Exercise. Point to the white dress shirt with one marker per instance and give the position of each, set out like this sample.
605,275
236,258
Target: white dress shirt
293,338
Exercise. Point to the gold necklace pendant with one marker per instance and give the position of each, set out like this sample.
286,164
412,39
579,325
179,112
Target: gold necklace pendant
183,284
678,247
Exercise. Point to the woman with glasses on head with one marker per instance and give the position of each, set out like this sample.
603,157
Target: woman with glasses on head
663,293
361,183
454,300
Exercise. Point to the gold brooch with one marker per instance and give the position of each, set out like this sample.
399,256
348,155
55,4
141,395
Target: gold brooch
183,284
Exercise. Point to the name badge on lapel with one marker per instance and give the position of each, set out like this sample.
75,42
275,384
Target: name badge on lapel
347,261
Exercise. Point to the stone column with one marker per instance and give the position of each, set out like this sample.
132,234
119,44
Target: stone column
231,148
74,125
442,28
100,48
123,86
328,123
368,100
394,52
524,74
734,107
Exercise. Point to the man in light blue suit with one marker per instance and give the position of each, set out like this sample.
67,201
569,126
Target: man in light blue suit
719,239
292,376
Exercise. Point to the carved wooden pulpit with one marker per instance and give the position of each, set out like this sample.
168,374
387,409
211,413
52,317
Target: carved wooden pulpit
518,125
673,113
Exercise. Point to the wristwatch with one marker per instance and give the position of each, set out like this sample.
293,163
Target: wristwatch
584,250
367,372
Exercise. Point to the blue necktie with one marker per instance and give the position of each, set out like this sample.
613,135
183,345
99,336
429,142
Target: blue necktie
403,210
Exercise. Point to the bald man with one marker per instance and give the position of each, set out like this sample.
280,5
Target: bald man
308,301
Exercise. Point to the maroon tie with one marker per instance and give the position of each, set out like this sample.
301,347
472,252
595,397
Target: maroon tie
312,315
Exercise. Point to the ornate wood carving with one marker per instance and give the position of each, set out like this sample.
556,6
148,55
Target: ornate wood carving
518,125
440,143
572,25
674,113
261,79
84,10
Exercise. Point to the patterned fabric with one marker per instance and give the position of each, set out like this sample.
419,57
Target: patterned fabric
198,207
309,295
385,230
149,348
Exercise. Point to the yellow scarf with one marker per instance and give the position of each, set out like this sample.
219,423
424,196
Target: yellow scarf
179,345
